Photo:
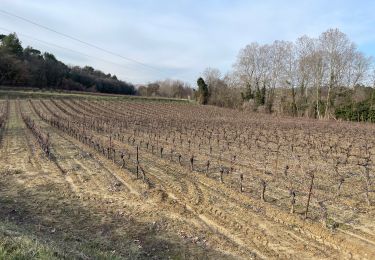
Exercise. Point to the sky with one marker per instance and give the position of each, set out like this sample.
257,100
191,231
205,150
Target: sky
159,39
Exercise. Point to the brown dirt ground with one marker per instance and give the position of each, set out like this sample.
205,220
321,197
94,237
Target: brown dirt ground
86,207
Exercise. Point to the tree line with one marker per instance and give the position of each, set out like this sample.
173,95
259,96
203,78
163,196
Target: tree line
323,77
30,67
167,88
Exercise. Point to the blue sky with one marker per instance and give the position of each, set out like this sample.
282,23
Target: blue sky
179,39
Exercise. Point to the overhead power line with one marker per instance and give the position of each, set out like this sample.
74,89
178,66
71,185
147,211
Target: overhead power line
81,41
63,48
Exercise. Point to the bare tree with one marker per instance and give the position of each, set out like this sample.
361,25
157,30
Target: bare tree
324,64
336,48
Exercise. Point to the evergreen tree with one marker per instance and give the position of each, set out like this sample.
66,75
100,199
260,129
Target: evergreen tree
202,91
29,67
263,94
248,93
11,44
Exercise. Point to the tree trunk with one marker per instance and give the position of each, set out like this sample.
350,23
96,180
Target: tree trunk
328,101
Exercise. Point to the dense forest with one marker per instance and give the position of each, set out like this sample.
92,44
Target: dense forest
29,67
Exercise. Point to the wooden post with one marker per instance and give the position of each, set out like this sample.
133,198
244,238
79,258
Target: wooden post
309,196
192,162
277,158
137,163
207,167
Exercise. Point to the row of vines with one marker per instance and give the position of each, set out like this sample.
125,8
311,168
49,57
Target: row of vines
4,114
306,167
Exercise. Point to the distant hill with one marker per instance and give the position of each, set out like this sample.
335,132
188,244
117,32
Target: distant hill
29,67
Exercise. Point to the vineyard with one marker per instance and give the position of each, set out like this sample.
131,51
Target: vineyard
186,181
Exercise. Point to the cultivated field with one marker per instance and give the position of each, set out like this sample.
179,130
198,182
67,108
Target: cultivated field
100,178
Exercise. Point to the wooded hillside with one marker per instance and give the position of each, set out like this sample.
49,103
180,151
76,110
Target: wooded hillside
30,67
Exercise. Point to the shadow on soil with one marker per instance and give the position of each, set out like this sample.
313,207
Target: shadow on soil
43,222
